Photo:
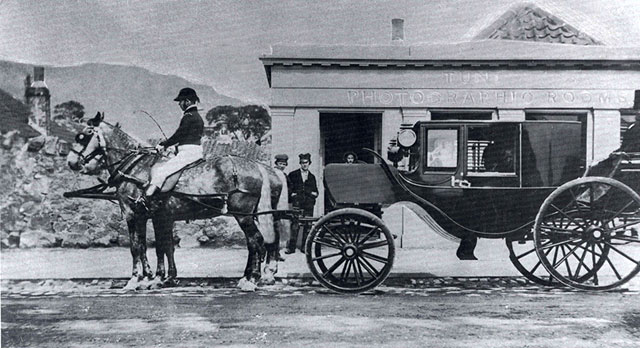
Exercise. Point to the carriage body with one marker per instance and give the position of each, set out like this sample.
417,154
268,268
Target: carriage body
526,182
453,172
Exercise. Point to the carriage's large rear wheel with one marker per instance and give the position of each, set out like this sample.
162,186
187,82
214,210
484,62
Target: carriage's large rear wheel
350,250
586,233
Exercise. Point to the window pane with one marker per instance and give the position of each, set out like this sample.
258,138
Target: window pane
442,149
492,149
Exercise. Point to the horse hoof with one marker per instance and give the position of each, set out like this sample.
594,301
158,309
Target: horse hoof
246,285
170,283
268,280
155,283
131,285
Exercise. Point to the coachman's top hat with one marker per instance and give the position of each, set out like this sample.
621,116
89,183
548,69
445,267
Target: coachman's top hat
187,93
636,101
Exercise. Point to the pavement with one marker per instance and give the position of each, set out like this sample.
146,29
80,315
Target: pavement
194,262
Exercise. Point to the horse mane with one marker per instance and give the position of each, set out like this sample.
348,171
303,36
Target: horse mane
123,139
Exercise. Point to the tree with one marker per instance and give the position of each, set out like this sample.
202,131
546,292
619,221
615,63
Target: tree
71,110
249,122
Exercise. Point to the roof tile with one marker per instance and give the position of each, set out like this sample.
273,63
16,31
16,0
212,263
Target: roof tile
528,22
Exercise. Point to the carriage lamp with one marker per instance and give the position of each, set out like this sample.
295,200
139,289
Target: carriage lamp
407,137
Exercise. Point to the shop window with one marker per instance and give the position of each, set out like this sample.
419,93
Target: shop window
442,150
563,115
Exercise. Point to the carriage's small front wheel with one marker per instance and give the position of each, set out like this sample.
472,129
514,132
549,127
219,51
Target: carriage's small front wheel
524,259
350,250
586,233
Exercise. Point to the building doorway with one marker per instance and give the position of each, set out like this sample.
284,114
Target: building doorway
344,132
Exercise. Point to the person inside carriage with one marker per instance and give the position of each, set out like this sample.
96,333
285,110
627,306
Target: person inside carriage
187,139
350,157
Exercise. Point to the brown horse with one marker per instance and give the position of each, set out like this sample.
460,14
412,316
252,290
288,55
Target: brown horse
233,185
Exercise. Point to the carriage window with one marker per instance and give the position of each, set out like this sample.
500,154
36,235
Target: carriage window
492,149
442,149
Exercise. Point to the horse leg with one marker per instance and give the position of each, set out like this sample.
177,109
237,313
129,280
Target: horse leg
165,247
271,265
137,236
255,245
160,253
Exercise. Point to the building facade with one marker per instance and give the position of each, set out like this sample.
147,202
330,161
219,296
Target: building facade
327,100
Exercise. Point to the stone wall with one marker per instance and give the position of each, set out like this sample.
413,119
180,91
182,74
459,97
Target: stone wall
33,212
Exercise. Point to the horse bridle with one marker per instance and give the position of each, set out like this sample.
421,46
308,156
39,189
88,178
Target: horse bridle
101,150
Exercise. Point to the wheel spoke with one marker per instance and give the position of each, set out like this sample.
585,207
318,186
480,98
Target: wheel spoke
621,253
564,259
611,265
626,225
558,230
620,211
326,256
338,238
555,257
567,216
526,253
358,273
626,239
593,259
356,234
581,263
368,235
328,242
560,243
347,268
374,245
369,267
332,268
375,257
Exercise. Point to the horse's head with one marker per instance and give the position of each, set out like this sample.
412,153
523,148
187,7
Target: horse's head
88,152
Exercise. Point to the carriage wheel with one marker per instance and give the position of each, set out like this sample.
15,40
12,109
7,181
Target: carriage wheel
586,233
350,250
523,257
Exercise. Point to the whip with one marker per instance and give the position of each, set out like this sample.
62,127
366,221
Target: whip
154,121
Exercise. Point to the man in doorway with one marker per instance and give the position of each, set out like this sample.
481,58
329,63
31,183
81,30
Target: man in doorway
302,195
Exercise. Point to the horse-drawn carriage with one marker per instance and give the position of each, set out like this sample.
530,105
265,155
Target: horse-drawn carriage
522,181
525,182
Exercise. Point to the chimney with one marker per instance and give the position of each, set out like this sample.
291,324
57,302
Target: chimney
38,99
38,73
397,30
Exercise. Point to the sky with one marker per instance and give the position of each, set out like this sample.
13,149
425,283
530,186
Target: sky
218,43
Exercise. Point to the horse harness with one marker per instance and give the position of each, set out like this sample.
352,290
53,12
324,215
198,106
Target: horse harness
130,161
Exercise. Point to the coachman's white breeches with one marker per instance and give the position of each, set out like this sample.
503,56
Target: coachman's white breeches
187,154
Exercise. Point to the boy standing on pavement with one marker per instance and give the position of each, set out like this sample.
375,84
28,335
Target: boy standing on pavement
302,195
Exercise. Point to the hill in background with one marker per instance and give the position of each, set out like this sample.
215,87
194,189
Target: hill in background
119,91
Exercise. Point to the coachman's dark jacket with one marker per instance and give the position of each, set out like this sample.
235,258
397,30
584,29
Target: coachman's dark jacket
190,130
302,194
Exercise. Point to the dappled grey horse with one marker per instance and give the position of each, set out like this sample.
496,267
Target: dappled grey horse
217,186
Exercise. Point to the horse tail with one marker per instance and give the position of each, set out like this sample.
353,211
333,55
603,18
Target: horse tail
265,221
283,225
